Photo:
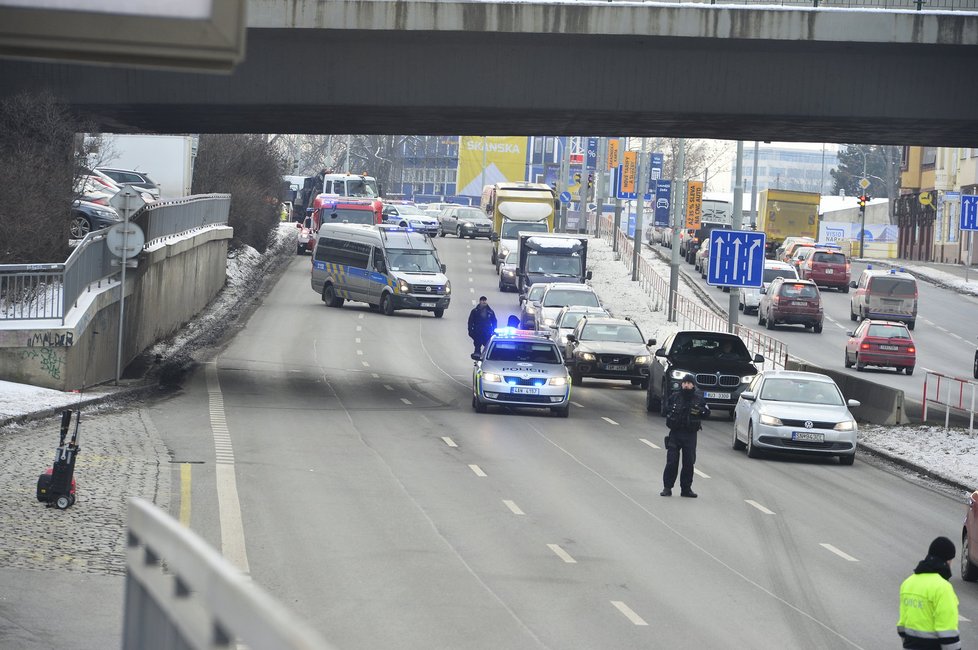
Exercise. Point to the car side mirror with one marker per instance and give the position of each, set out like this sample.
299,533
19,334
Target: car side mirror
493,237
444,268
748,396
852,284
853,403
758,358
298,225
763,290
587,276
850,333
571,338
522,297
661,352
651,342
381,267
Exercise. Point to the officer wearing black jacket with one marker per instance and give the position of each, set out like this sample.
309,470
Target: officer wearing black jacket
482,323
685,410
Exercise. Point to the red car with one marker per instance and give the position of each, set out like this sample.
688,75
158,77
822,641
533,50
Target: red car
881,343
826,268
307,237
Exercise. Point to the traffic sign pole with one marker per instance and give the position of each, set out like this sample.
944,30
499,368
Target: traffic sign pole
641,184
599,188
678,221
621,160
736,222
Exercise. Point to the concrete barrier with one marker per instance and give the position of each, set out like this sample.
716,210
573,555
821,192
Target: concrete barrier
879,404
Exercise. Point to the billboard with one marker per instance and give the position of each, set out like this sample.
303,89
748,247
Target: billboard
505,158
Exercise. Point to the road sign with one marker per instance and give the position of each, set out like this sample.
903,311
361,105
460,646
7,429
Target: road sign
663,201
925,198
591,160
613,154
694,203
736,258
125,239
952,197
864,183
565,197
969,212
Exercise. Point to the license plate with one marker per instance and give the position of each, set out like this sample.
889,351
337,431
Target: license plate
616,368
829,271
807,436
520,390
709,395
800,303
889,347
428,304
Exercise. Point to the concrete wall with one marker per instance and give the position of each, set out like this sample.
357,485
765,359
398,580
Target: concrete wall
173,282
879,404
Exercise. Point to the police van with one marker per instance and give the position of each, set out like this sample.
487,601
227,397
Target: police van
387,267
884,295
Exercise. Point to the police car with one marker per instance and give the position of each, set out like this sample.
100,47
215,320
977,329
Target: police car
521,368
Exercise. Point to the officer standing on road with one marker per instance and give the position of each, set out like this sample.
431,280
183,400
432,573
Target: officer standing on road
684,413
928,604
482,323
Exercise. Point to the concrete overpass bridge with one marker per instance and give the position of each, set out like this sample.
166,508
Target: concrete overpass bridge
602,68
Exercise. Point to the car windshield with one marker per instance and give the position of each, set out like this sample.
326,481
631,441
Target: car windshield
553,265
536,292
802,391
565,297
525,351
472,214
344,215
729,348
770,274
889,331
829,258
512,228
412,261
570,319
893,287
606,332
404,210
362,187
792,290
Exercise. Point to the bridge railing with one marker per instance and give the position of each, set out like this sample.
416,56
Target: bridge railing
32,292
181,593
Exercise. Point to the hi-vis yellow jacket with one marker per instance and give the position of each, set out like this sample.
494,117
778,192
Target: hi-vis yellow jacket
928,613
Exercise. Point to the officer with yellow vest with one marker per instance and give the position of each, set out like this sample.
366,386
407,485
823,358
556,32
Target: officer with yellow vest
928,605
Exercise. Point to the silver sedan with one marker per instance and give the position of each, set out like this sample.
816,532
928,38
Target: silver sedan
795,412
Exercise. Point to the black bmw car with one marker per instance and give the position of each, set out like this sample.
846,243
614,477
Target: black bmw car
720,362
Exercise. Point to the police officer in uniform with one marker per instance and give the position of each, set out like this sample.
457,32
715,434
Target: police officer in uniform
685,410
482,323
928,604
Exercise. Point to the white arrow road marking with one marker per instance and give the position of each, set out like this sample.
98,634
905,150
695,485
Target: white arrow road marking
609,421
844,556
758,506
513,507
651,444
478,470
405,400
629,614
388,387
449,441
562,554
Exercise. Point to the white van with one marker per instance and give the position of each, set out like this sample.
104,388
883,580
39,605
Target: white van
384,266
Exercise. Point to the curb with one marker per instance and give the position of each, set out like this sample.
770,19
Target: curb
897,460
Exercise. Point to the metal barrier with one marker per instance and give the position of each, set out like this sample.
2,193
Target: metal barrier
181,593
49,291
959,395
689,314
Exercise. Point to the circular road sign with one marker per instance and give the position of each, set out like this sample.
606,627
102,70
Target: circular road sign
125,240
565,197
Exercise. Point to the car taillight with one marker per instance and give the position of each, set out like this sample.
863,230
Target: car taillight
912,349
864,346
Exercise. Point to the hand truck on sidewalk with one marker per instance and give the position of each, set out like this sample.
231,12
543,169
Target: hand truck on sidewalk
56,486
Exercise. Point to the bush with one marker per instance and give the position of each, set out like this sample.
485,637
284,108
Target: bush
249,169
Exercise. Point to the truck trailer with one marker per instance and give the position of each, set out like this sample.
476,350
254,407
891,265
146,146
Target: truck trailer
786,213
551,257
515,208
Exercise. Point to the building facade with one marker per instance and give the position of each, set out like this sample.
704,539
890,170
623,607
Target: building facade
789,168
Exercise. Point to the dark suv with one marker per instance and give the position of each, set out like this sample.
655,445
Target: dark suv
608,348
720,362
791,302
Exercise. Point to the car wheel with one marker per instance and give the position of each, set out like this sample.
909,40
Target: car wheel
300,249
644,383
817,328
844,288
636,382
738,445
478,406
80,226
330,297
652,403
561,411
387,305
911,324
852,314
909,370
664,402
501,287
458,232
847,362
438,313
769,322
441,233
576,379
969,572
492,256
740,306
859,366
760,317
752,451
847,459
976,365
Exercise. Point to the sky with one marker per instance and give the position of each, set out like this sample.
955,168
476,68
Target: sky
951,454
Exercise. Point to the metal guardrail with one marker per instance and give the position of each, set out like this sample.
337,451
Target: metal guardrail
906,5
689,314
959,395
49,291
181,593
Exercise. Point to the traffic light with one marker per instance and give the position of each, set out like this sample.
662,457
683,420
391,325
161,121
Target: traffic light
862,201
590,181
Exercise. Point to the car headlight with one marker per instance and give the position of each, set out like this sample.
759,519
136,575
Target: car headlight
105,214
558,381
509,272
848,425
771,421
448,288
587,356
548,322
642,360
678,374
492,378
403,286
504,251
746,379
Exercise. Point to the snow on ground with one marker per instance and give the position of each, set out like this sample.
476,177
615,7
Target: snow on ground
951,454
935,275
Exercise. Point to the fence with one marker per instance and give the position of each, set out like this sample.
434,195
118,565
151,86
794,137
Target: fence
48,291
181,593
959,395
689,314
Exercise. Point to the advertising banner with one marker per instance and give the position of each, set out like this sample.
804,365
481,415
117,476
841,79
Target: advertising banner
505,158
663,201
694,204
613,146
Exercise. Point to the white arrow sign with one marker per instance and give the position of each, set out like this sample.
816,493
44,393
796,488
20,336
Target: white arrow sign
750,259
716,256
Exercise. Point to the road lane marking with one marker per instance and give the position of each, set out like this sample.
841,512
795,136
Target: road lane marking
473,302
360,352
578,405
185,494
844,556
562,554
471,289
478,470
365,364
943,329
356,340
359,328
962,618
629,614
699,473
375,375
405,400
359,315
470,270
610,421
388,387
449,441
515,509
957,336
650,444
758,506
471,280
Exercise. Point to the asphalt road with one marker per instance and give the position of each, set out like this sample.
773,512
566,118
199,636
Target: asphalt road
377,504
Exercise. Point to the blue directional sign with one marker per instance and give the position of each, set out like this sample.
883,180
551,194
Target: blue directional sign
565,197
969,212
663,200
591,160
736,258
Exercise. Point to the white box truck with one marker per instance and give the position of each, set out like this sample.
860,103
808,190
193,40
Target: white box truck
168,159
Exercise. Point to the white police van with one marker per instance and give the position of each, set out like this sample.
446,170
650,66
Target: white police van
386,267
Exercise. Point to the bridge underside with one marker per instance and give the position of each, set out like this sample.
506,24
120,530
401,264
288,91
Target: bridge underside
347,81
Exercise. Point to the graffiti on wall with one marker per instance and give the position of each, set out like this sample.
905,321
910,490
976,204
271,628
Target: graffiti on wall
51,340
49,359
